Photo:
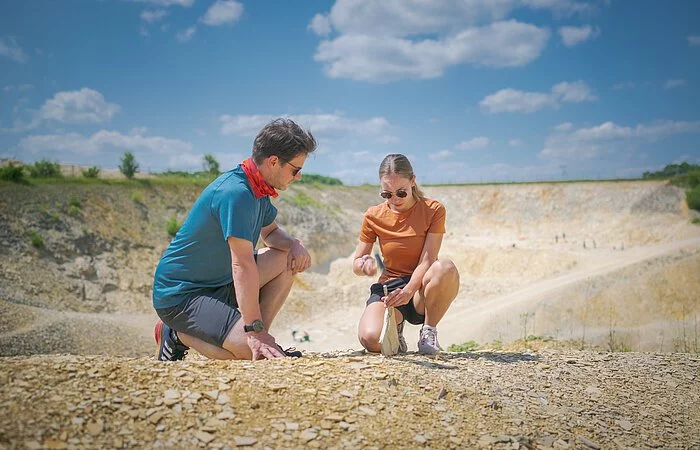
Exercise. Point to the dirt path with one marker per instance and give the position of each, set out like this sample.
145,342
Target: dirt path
467,323
337,329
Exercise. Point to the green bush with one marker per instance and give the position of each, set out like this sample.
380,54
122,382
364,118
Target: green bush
465,347
312,178
92,172
73,210
129,166
692,197
173,226
211,165
36,240
12,173
45,169
136,197
74,201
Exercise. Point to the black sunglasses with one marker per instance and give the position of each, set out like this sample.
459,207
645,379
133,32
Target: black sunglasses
401,193
296,169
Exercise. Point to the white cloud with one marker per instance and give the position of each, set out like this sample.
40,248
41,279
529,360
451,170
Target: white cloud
222,12
10,49
382,41
575,92
694,40
83,106
512,100
440,155
606,138
17,88
515,142
370,58
187,34
320,125
572,36
167,3
473,144
152,16
320,24
627,85
105,148
564,127
670,84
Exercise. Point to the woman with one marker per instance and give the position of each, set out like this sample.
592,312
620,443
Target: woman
410,228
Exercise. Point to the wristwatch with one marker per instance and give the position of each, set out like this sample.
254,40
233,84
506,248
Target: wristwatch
257,326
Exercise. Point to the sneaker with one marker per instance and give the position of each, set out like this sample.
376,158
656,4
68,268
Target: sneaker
428,342
290,352
389,338
168,347
403,346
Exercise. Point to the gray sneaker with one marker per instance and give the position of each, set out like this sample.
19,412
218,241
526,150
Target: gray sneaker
403,347
428,342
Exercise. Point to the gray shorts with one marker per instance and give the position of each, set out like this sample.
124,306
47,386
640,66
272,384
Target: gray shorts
208,315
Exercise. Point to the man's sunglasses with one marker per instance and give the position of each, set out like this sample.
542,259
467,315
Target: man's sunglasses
296,169
401,193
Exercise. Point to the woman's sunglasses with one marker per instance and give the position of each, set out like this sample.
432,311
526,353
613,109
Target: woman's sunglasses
401,193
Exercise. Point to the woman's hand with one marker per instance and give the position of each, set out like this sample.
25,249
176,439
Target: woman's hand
398,297
365,265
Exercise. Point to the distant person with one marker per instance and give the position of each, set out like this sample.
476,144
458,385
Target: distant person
212,290
410,228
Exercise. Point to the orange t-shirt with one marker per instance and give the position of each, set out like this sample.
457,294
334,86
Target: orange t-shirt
402,235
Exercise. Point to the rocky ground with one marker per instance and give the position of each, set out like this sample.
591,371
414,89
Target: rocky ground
351,400
76,327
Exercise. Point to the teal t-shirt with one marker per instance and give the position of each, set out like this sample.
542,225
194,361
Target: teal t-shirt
199,256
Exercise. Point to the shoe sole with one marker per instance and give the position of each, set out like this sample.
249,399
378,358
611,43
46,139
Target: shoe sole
389,338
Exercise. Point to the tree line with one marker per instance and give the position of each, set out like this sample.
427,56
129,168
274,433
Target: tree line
129,167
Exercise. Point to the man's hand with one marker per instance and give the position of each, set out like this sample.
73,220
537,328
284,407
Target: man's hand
263,346
397,297
298,258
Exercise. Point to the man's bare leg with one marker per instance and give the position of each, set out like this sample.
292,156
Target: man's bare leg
276,282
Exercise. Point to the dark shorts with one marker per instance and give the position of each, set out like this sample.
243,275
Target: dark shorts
408,311
208,314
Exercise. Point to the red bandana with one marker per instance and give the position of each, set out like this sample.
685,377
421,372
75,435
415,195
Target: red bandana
260,187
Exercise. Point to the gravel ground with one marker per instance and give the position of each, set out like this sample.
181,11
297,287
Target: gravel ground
547,399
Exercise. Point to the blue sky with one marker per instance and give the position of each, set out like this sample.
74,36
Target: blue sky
471,91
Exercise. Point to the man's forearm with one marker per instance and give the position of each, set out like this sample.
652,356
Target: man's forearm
279,239
246,284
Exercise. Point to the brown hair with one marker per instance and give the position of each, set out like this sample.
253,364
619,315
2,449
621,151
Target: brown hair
398,164
284,138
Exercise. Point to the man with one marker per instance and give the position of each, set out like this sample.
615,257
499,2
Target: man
212,290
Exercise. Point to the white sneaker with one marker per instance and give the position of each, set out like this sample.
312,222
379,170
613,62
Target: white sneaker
389,339
428,342
403,346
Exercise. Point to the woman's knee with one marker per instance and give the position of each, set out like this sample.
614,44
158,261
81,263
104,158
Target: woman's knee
369,338
441,269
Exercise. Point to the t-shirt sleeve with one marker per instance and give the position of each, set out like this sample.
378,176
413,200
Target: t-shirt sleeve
235,217
367,234
270,213
437,224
